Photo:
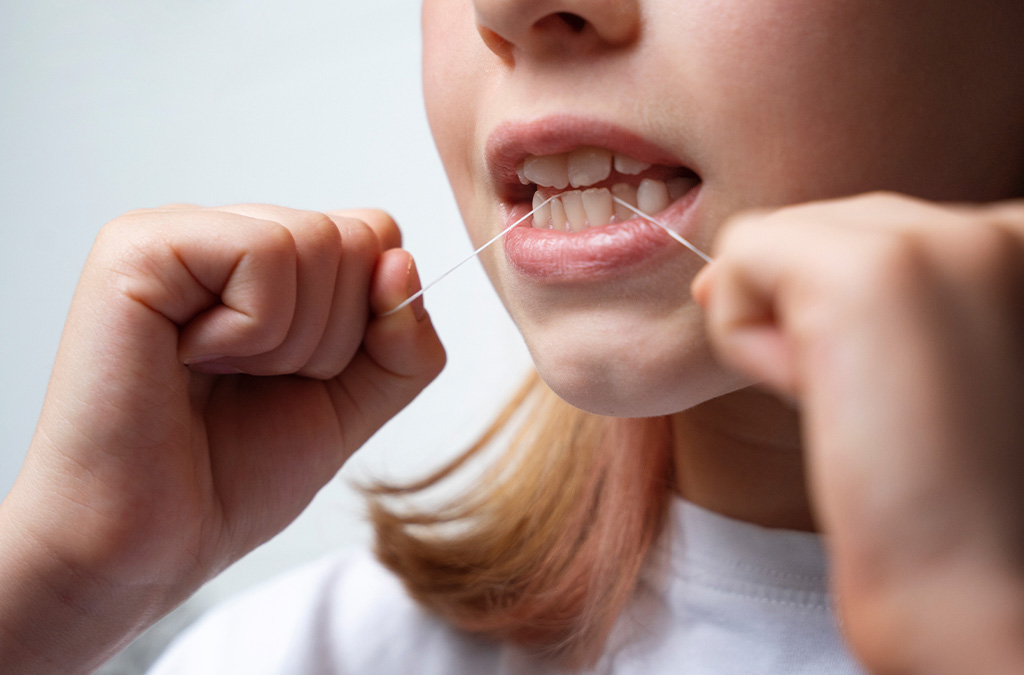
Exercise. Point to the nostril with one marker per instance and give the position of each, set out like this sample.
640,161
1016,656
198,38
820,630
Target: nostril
575,22
527,28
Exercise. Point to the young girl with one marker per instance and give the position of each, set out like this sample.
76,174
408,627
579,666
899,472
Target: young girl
219,366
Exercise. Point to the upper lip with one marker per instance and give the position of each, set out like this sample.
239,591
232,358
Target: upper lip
512,142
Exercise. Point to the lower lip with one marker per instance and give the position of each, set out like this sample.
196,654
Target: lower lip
596,252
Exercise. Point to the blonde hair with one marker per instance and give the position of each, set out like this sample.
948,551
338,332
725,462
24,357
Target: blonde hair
546,550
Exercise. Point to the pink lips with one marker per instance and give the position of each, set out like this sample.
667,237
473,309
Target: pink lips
597,252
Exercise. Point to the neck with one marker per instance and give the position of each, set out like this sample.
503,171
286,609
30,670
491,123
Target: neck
740,455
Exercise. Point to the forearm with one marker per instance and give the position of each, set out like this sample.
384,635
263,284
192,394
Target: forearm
55,617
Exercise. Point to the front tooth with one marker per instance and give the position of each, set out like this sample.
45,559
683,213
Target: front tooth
522,175
626,193
677,187
547,170
652,196
557,214
541,215
598,204
588,166
575,215
630,166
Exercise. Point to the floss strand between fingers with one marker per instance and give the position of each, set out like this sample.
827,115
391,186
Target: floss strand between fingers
405,303
672,233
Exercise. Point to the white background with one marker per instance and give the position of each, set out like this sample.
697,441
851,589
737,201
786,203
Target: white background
114,105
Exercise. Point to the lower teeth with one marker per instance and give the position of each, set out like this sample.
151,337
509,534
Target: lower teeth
576,210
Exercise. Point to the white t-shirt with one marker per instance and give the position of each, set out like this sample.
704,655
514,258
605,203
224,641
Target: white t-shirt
734,598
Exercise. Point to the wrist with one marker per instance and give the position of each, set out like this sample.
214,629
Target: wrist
57,615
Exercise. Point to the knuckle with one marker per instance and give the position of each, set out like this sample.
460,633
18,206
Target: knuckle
888,209
114,231
123,242
360,240
883,265
991,252
129,221
377,218
882,197
321,232
135,212
1009,215
894,259
317,224
275,237
736,232
380,223
806,212
885,201
983,242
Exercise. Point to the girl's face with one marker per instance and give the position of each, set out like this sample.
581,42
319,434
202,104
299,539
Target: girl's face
695,110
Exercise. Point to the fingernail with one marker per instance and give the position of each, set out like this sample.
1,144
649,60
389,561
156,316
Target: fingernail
414,286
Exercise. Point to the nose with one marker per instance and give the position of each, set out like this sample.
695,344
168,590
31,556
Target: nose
535,26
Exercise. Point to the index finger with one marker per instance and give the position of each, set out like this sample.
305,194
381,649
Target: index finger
381,222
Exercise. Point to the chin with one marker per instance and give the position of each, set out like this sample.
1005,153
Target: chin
638,371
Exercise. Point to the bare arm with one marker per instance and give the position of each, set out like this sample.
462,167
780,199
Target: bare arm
155,465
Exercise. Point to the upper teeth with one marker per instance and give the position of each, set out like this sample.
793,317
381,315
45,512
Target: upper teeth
577,210
579,168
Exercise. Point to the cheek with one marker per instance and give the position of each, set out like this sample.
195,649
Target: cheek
783,88
802,100
450,81
437,58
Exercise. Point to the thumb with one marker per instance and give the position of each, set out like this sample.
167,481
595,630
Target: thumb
400,355
740,295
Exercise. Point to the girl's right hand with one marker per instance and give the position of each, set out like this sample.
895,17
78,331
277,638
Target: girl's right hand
217,368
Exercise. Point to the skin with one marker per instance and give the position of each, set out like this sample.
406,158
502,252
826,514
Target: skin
889,422
760,136
152,470
147,475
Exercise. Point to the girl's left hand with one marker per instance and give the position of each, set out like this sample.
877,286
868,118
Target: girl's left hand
897,327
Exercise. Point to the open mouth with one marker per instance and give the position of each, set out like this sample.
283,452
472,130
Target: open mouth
582,183
584,166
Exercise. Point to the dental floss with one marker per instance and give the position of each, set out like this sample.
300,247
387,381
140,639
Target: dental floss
410,299
671,233
705,257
